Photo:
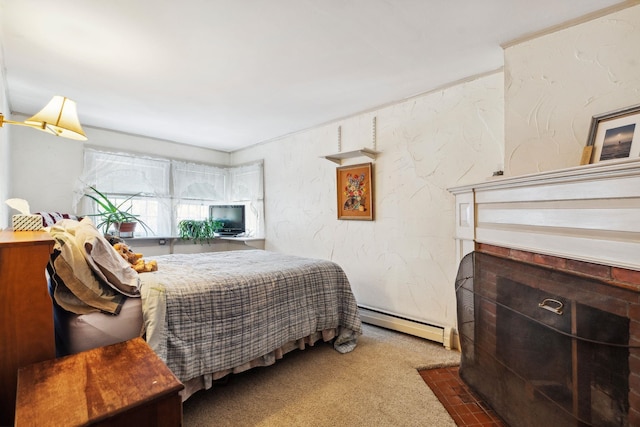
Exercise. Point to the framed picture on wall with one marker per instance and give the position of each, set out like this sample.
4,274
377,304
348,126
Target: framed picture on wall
615,135
355,191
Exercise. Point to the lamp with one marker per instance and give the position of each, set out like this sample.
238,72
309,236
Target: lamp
59,117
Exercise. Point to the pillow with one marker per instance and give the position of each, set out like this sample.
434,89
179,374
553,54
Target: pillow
105,261
50,218
75,287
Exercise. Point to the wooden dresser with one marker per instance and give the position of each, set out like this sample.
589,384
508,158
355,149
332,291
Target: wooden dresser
26,312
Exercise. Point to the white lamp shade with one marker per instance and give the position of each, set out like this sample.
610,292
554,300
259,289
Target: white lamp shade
59,117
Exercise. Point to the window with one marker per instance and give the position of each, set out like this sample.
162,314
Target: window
195,187
167,191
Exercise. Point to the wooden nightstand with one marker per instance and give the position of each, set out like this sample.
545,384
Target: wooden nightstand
26,310
116,385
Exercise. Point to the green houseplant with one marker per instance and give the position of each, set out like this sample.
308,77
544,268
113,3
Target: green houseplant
116,215
199,231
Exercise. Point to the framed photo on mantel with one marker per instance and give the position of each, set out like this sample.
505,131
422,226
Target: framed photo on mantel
614,135
355,191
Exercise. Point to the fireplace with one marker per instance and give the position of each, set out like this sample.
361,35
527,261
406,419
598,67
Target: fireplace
544,346
548,295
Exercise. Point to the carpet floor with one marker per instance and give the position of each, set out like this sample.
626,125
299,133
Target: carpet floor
378,384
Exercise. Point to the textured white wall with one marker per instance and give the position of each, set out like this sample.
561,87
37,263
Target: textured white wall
404,261
556,83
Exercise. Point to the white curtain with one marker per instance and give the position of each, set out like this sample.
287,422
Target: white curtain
126,174
224,185
192,181
167,183
246,185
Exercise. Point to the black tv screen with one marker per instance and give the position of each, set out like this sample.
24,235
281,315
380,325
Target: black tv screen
231,216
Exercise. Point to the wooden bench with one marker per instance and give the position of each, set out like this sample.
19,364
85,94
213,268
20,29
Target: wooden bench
117,385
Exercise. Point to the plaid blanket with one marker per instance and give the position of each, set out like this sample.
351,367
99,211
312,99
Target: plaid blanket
209,312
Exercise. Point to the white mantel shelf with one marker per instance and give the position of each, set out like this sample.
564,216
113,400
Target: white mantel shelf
363,152
589,213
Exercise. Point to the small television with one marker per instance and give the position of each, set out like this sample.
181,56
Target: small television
231,216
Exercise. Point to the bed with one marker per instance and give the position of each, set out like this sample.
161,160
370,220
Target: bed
206,315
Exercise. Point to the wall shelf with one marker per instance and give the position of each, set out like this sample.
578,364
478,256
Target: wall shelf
363,152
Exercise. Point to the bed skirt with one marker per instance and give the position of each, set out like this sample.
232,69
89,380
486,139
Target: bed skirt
205,382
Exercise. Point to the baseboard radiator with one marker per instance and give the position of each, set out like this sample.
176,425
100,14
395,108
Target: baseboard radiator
445,336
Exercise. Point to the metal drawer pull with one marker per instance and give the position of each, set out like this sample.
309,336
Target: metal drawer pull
545,304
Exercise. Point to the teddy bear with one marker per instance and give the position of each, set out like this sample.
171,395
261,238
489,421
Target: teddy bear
135,259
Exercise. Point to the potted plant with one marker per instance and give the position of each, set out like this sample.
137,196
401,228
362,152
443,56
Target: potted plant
199,230
110,214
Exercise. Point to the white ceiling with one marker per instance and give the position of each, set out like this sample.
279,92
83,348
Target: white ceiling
230,74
